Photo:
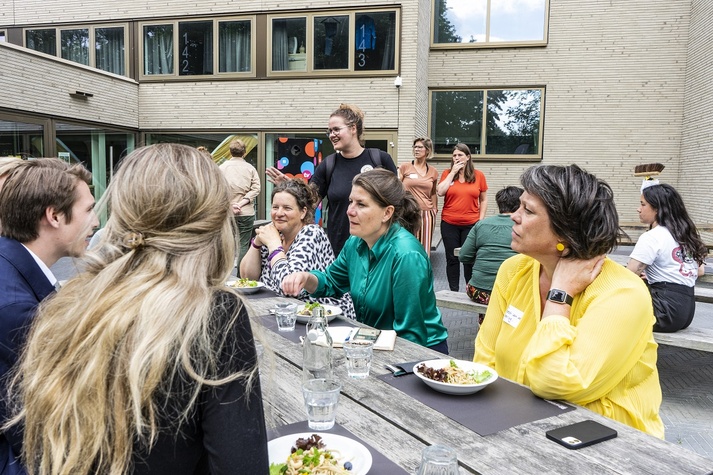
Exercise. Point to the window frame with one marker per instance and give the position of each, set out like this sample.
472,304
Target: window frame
483,145
490,44
3,35
92,41
175,75
310,70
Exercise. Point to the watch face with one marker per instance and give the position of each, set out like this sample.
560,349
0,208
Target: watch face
557,295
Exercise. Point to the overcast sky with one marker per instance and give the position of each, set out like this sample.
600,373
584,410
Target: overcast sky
510,19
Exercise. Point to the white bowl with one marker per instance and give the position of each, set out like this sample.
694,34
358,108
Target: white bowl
457,389
349,449
330,311
245,290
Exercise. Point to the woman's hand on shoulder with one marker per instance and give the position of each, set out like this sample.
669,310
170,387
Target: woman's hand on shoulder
575,275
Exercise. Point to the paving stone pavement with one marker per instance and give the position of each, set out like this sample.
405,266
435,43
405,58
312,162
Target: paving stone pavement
686,375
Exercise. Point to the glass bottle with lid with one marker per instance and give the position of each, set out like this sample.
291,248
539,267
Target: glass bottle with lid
317,348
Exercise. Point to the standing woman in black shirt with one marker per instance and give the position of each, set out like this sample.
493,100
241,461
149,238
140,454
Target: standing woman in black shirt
334,182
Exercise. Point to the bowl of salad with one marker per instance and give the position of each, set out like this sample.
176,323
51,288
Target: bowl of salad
245,286
304,312
458,377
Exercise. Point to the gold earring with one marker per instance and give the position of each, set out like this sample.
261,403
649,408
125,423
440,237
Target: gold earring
560,247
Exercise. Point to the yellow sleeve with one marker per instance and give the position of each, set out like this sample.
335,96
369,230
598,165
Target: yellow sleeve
584,358
486,340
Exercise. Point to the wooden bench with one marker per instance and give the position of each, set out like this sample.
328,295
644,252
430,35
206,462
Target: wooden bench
693,337
635,229
458,301
703,294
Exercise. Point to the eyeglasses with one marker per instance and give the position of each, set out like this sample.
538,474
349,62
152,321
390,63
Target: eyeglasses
335,130
418,146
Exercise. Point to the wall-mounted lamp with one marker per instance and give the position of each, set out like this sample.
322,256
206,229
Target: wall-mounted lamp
81,95
398,82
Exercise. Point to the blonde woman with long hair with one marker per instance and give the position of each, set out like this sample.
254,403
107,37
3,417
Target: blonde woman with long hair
145,362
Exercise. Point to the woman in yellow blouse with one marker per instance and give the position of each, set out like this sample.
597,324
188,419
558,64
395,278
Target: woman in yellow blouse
563,319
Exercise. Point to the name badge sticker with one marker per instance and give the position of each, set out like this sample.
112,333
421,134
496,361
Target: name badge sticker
513,316
413,176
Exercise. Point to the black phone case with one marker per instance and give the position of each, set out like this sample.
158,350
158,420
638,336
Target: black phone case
581,434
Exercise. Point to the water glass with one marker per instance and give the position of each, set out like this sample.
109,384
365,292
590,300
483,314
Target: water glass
358,355
321,398
286,315
438,460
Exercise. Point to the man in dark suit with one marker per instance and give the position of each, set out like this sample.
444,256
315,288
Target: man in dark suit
46,212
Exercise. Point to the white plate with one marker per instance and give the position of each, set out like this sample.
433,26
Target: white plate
349,450
245,290
330,310
458,389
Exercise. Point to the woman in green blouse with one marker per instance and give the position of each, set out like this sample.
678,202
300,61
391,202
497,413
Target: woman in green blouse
382,264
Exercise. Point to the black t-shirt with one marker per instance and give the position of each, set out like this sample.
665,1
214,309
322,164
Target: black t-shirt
340,186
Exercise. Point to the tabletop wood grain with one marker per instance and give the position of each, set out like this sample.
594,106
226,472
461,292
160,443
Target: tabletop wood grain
399,426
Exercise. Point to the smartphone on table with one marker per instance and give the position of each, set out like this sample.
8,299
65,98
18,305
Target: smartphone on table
366,334
581,434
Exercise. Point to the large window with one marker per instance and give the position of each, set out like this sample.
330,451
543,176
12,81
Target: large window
75,45
327,43
198,48
496,123
44,41
235,49
21,139
103,47
110,49
489,22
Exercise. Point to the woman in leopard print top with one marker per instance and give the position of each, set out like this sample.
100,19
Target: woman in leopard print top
291,243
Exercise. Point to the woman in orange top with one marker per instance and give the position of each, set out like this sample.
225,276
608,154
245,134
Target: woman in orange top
421,181
465,203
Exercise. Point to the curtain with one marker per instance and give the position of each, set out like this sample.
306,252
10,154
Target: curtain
279,45
387,60
75,45
234,47
158,49
109,48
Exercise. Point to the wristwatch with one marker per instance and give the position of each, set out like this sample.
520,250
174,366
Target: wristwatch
559,296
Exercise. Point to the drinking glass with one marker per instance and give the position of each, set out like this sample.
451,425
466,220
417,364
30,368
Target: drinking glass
438,460
358,355
286,315
321,397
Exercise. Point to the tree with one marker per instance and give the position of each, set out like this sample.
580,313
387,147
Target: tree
444,30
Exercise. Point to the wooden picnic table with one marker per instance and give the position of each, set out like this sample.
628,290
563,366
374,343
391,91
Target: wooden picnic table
400,426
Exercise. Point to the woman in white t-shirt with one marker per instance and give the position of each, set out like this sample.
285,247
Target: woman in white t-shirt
670,255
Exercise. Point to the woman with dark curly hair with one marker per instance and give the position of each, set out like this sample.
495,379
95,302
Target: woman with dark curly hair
671,255
291,242
563,319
